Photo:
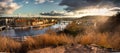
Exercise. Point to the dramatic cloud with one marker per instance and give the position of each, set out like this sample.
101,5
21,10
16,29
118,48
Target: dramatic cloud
82,4
8,6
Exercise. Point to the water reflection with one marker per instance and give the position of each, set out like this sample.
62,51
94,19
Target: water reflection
30,32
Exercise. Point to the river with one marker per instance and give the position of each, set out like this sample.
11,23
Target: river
31,31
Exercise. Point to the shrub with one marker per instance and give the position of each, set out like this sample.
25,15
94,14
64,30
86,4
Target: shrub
74,29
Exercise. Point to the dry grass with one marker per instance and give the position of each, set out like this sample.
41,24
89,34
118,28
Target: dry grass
99,39
48,40
102,39
115,41
8,45
45,40
53,39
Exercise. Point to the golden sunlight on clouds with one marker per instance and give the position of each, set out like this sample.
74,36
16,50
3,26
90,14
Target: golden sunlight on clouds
95,11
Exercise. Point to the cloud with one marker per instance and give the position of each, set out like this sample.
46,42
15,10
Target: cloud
115,9
8,6
6,0
58,13
50,1
53,13
40,1
74,5
43,1
26,2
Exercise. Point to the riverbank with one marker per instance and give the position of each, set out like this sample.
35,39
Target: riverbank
19,32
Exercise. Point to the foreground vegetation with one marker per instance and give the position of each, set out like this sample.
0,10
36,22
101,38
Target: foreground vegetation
54,40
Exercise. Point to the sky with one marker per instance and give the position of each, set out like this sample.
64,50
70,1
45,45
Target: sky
29,7
59,7
36,7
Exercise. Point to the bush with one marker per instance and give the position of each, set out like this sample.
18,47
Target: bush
74,29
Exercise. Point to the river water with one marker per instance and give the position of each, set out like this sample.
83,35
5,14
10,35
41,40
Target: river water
31,31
